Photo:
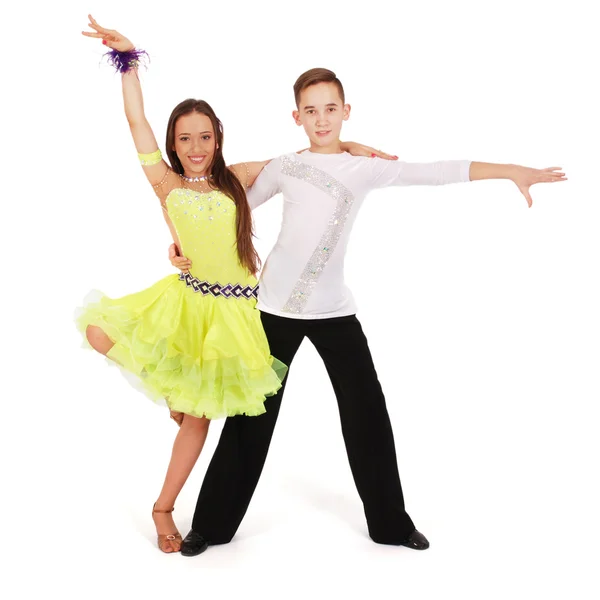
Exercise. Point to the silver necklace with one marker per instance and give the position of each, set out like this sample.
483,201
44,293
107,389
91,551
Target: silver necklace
195,179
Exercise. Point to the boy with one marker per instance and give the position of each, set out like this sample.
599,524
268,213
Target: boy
302,294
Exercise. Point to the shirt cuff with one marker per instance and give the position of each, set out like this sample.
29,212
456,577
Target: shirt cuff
465,169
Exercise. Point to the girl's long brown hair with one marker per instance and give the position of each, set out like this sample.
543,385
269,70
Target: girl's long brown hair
223,178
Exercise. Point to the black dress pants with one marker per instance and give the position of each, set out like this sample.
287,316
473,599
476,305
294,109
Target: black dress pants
238,461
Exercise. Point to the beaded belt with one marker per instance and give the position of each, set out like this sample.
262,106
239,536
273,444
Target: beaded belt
216,289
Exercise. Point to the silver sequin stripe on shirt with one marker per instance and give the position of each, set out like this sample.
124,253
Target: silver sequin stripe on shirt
317,262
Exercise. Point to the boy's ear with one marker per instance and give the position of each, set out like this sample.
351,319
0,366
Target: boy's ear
296,116
347,109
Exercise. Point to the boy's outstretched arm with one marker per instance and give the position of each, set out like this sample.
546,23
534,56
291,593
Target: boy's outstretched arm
386,173
522,177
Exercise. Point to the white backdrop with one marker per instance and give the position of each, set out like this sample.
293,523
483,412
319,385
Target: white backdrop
485,340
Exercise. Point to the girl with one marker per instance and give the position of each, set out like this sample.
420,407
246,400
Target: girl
194,339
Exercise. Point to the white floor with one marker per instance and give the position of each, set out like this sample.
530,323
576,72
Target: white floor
509,504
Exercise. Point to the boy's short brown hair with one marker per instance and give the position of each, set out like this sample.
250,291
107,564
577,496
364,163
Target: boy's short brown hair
314,76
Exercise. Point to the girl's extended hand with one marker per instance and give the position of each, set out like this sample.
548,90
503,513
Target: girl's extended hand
111,38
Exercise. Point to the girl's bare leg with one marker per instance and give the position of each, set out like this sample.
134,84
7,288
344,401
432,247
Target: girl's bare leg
98,340
186,450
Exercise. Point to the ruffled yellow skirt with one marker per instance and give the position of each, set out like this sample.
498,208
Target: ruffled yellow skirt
206,356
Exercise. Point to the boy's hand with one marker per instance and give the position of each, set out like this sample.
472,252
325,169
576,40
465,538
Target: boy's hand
357,149
111,38
525,177
179,262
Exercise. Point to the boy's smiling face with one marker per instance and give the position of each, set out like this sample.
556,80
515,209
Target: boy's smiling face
321,112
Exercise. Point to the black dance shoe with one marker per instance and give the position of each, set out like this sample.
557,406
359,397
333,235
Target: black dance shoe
416,541
193,544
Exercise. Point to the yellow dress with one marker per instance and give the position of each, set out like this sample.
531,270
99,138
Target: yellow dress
195,340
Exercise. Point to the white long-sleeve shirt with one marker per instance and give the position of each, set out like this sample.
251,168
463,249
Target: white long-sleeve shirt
303,276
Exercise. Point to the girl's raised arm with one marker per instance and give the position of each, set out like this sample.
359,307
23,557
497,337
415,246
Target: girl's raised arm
126,59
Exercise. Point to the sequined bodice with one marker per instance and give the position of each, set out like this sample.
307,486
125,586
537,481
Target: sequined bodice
206,226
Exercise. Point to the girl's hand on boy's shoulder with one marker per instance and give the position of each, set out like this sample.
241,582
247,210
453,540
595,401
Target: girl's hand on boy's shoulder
356,149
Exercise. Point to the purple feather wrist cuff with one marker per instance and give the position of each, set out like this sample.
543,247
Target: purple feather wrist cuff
125,61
